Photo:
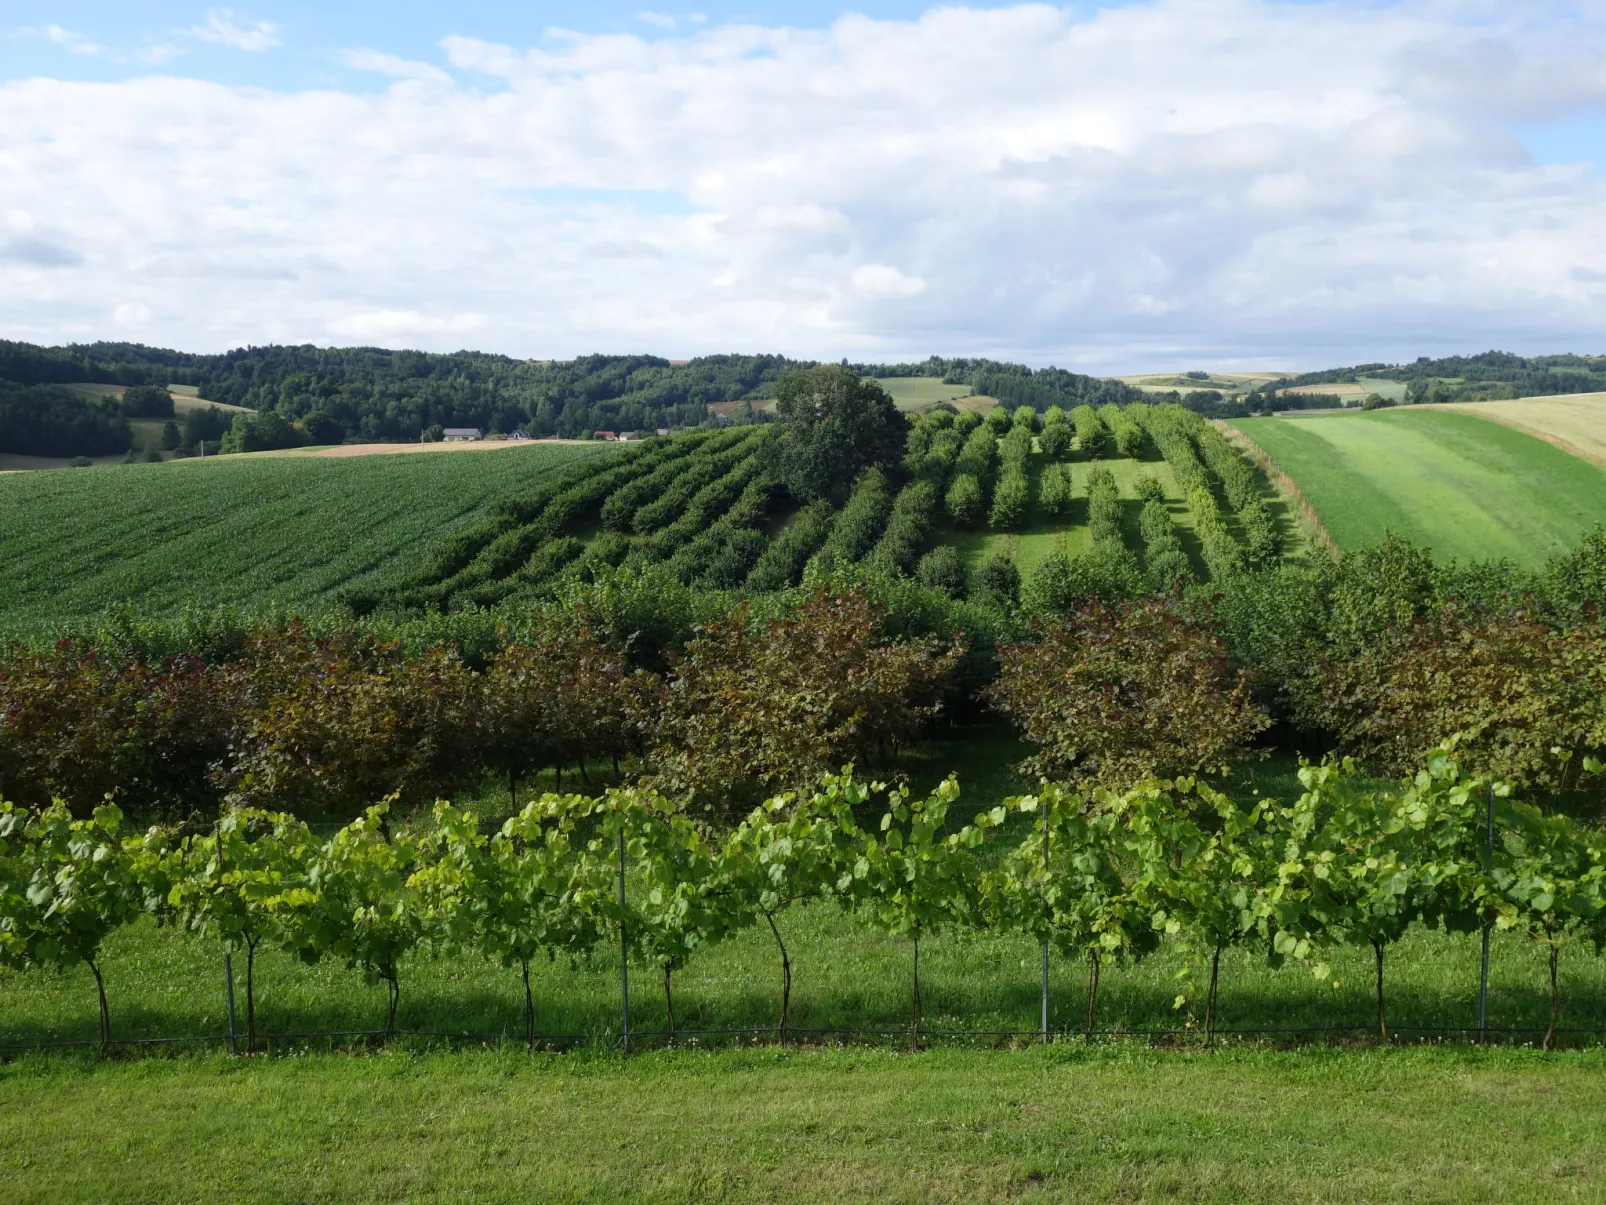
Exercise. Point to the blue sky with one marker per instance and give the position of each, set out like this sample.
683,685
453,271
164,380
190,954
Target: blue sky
1119,186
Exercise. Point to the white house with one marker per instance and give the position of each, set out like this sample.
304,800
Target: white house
457,435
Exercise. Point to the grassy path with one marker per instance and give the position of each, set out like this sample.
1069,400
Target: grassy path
1060,1125
1466,487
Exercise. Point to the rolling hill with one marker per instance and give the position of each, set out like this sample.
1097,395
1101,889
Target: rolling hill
1468,488
247,532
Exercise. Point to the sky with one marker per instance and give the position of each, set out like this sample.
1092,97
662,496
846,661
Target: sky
1111,188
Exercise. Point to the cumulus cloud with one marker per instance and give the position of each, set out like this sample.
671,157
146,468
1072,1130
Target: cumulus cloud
1213,181
223,29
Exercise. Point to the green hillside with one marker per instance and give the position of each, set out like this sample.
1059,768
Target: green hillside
248,532
1465,487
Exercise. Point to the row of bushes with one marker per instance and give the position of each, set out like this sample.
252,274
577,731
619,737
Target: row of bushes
1103,878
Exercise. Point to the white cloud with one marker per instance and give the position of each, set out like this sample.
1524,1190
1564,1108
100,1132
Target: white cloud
223,29
131,313
882,280
71,42
1207,181
389,64
660,20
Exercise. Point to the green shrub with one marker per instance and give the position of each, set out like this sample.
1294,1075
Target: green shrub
942,569
1000,576
965,501
1054,490
1055,440
1011,499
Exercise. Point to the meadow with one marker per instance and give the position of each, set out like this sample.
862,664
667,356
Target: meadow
256,534
912,393
1574,422
1467,488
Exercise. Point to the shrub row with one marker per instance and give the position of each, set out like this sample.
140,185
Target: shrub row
862,520
1092,436
1129,438
781,563
900,545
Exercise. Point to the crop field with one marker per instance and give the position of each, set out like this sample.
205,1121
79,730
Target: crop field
1574,422
317,521
251,533
911,393
1466,487
1226,382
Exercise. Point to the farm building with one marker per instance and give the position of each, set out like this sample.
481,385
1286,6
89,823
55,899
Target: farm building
456,435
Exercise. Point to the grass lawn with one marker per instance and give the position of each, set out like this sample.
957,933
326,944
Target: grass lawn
251,533
1063,1124
1465,487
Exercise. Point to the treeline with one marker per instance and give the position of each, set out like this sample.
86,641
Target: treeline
47,420
719,700
375,394
1487,376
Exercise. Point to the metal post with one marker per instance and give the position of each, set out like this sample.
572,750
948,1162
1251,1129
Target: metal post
624,946
228,992
1483,974
1045,940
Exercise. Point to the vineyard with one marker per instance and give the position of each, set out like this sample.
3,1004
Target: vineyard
1171,870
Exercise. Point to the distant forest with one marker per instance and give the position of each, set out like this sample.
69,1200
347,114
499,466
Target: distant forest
313,394
375,395
1488,376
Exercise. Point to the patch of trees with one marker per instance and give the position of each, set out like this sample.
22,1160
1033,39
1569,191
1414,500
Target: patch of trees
47,420
831,426
324,726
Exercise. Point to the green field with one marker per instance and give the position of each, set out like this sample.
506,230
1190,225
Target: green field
766,1126
1467,488
251,533
911,393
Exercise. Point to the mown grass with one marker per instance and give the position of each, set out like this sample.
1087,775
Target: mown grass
1465,487
1061,1124
249,533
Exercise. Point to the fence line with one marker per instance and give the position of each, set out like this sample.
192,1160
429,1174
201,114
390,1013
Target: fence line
1284,484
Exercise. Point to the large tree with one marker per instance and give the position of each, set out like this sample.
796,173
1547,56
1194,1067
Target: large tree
833,426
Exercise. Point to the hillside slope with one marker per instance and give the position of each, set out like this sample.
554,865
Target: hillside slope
1464,486
247,532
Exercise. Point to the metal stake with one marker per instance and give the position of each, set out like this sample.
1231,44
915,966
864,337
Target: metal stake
228,992
1045,940
624,946
1483,974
